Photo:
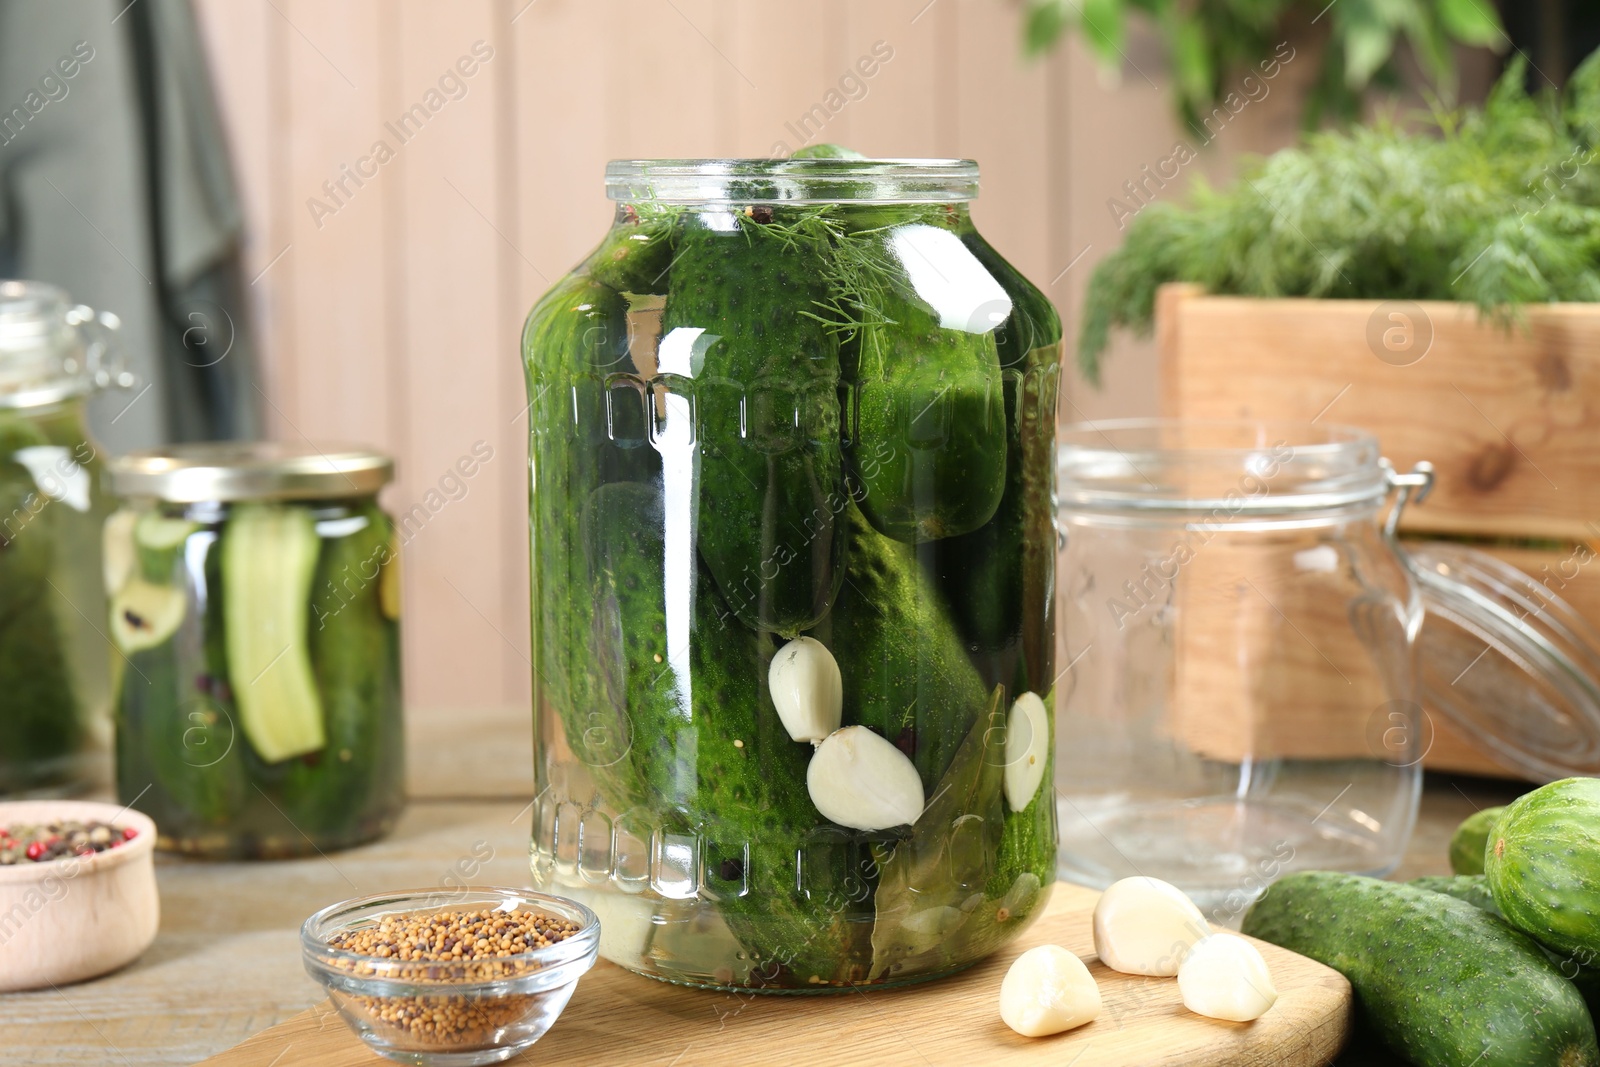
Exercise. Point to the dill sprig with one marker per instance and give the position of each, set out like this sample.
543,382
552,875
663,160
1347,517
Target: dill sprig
1497,207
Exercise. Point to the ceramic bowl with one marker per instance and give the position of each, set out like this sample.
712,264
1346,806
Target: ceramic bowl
76,917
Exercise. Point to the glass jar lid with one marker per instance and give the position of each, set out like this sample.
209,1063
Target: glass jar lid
1509,662
792,181
50,348
250,470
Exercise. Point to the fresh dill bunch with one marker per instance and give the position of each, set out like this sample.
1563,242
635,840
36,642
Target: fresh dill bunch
1497,207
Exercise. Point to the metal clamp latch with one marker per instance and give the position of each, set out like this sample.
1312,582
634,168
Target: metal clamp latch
1408,487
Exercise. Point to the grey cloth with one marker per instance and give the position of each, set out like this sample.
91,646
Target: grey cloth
115,184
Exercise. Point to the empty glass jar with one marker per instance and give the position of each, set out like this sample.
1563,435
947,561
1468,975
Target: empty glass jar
55,724
1240,629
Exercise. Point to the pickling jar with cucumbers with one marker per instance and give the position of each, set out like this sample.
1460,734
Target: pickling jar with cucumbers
55,721
254,607
792,547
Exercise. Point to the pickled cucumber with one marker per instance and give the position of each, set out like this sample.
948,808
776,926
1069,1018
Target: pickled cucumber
41,720
354,648
929,436
708,755
636,251
999,580
582,434
904,671
269,556
767,412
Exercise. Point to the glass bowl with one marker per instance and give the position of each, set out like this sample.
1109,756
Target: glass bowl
456,1012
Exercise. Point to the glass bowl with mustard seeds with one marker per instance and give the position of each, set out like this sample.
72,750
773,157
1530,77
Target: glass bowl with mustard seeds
450,977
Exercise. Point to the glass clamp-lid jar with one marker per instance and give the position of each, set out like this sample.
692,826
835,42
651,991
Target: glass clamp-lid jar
55,715
792,540
255,607
1254,658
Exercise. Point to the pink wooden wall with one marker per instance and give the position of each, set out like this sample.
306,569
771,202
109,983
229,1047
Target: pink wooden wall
389,312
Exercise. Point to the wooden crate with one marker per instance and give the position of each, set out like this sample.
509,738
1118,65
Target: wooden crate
1510,418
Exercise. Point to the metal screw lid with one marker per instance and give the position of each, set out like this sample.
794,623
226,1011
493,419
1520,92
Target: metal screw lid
251,470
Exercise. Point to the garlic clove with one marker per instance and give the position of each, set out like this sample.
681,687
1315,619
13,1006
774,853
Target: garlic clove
1027,744
1145,926
859,780
806,689
1224,977
1048,990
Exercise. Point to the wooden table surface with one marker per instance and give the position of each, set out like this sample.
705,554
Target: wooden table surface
227,960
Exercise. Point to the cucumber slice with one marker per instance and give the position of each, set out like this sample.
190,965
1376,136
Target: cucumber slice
269,555
159,542
143,614
117,555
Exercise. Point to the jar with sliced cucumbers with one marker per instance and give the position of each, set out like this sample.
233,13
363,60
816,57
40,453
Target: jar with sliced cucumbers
55,714
254,592
792,545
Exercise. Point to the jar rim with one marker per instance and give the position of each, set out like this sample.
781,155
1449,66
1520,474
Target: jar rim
1229,465
250,470
792,181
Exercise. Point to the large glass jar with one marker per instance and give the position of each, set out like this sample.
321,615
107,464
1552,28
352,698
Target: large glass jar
55,722
791,430
1240,629
255,606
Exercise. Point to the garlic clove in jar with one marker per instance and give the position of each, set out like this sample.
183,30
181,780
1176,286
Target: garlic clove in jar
1145,926
1048,990
1027,755
1224,977
859,780
806,689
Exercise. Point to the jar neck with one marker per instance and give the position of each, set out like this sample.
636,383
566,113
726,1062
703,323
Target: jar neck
850,217
731,182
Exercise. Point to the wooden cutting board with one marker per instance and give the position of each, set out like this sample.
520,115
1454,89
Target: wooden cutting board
617,1017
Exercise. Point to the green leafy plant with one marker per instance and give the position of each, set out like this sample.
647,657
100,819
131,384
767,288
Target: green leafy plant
1495,207
1210,40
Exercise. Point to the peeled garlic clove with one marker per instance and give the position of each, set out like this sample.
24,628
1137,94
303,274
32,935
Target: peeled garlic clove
1224,977
1027,741
859,780
806,689
1145,926
1048,990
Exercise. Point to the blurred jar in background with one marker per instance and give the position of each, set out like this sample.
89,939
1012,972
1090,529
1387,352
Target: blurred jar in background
54,659
256,609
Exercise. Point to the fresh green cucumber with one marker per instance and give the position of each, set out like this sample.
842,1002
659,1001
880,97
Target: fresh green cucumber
158,541
357,778
904,671
1000,579
269,557
1471,838
928,435
707,753
1474,889
767,407
1541,863
636,251
1440,981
